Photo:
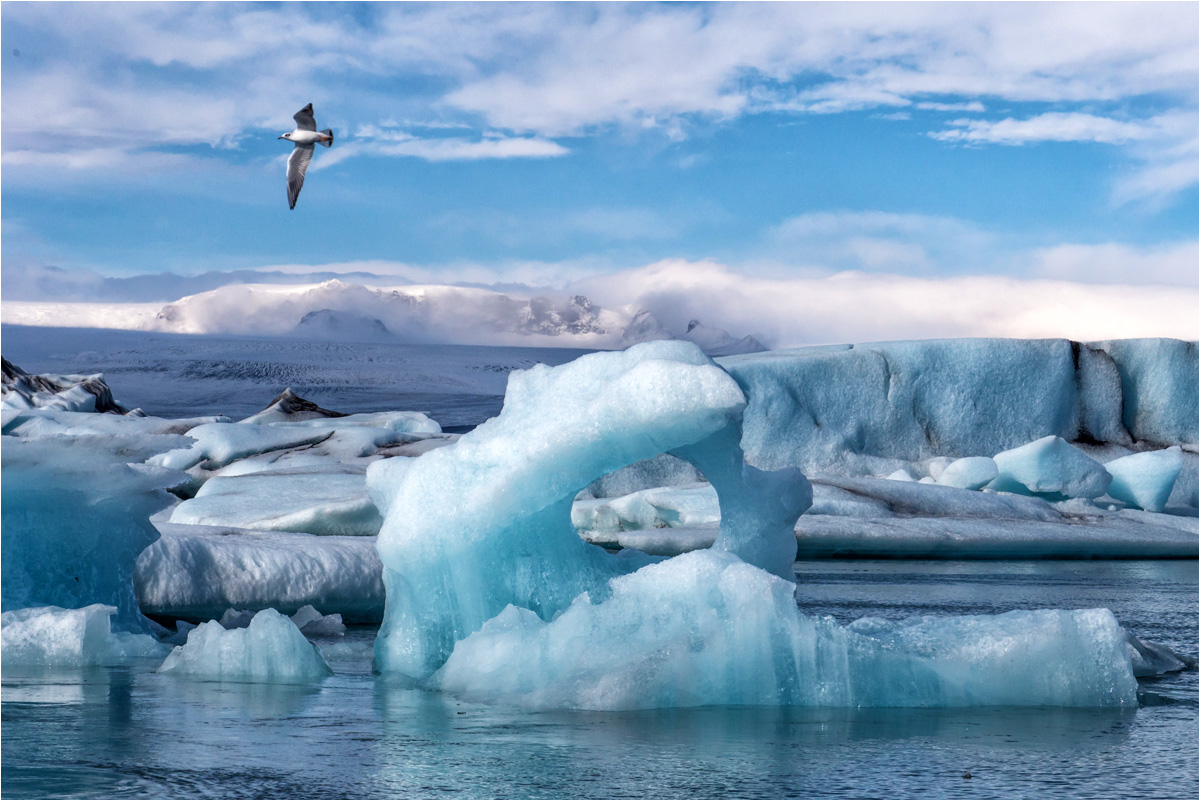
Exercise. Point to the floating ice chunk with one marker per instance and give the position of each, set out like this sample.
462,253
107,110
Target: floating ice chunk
926,480
936,466
1145,480
182,627
663,470
270,650
483,523
236,618
290,407
1052,467
75,517
313,624
347,650
71,393
901,475
398,422
198,572
218,444
41,423
322,499
50,636
664,507
705,628
970,473
655,541
1152,658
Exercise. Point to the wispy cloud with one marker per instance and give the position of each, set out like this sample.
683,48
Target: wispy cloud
382,140
1163,149
1051,127
914,244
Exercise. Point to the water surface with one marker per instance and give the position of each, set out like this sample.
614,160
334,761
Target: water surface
129,732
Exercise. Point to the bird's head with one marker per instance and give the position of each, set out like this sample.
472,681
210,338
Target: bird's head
286,136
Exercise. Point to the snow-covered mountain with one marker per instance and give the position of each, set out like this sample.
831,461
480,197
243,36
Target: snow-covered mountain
339,311
719,342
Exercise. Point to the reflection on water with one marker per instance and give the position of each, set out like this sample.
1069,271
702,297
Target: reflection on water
129,732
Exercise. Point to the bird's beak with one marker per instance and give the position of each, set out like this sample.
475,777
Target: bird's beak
283,137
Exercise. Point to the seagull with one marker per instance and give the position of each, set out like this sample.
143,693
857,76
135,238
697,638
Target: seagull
305,136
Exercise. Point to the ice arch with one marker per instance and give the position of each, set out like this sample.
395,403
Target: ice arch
491,595
485,523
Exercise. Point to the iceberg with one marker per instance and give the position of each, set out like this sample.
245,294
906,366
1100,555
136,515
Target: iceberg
475,526
313,624
1050,467
320,499
1145,480
71,393
970,473
198,572
662,507
270,649
287,406
879,517
218,444
846,408
706,628
50,636
75,517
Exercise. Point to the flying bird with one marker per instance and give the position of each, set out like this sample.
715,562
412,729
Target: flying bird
305,136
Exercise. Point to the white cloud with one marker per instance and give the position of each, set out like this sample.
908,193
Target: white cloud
1172,264
552,70
858,307
1163,149
973,106
397,143
1051,127
884,242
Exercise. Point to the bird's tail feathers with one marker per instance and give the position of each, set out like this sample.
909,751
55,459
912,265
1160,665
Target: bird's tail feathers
328,142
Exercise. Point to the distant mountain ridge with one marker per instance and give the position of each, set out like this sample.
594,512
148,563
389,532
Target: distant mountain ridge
338,311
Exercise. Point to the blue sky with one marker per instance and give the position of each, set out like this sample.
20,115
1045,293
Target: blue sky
542,144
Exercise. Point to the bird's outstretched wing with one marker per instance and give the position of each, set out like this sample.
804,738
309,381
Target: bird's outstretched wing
297,166
304,119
